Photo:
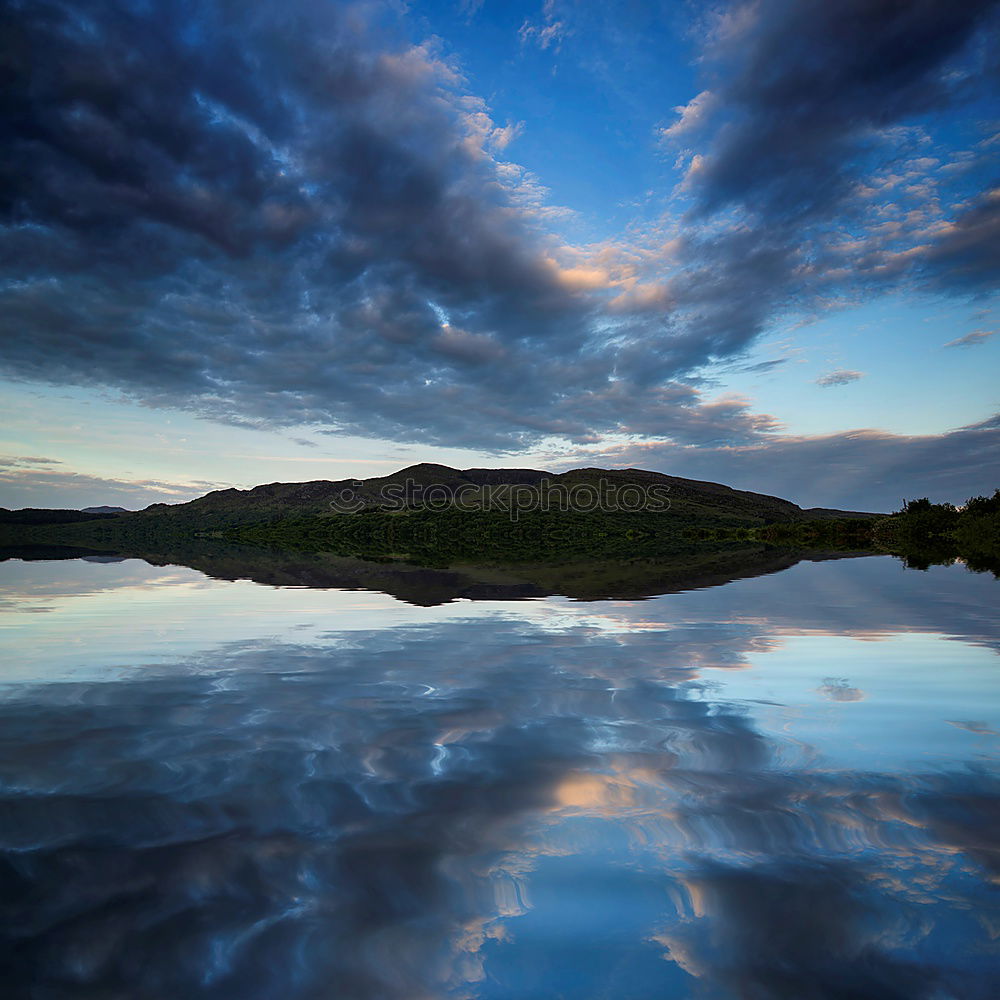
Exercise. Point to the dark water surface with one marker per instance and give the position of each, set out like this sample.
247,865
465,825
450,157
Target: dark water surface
785,787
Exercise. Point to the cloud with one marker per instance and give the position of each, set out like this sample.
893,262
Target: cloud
279,216
33,482
807,145
293,214
501,138
965,253
762,367
803,87
693,116
975,727
842,376
548,31
838,689
971,339
861,470
412,828
470,7
15,462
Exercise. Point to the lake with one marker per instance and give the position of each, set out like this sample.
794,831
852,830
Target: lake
781,787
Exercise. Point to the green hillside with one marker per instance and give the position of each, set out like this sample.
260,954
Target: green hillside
437,515
595,524
472,489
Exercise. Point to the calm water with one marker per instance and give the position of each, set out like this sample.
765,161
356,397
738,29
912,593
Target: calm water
785,787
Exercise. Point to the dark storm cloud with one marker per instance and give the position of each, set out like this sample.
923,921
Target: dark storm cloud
291,215
809,133
806,86
286,214
255,210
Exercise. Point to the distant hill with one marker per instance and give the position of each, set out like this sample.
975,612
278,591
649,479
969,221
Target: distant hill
477,523
46,515
689,499
434,515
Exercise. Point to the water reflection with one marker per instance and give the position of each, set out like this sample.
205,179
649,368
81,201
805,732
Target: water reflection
559,800
683,566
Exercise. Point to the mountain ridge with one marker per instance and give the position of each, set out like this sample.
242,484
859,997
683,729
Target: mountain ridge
276,500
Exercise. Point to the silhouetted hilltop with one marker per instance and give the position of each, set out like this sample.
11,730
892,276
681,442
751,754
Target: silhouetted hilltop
433,515
476,489
48,515
597,530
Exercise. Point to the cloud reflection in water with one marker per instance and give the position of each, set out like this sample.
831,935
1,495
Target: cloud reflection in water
487,808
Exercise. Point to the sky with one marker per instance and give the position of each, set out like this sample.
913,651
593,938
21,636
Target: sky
751,242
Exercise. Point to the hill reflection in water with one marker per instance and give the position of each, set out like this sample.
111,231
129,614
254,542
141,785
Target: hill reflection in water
784,787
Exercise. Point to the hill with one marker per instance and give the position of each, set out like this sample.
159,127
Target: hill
46,516
587,531
434,515
496,490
